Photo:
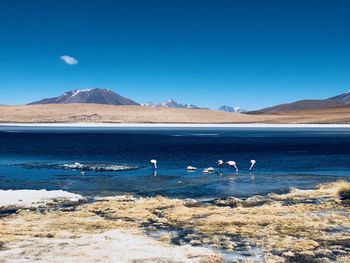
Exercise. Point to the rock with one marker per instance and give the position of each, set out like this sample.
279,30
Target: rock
288,202
192,203
288,254
228,201
256,200
2,245
249,202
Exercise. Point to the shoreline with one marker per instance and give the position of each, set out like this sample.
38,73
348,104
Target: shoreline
167,125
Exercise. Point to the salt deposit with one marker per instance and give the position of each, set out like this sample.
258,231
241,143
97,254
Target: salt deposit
29,198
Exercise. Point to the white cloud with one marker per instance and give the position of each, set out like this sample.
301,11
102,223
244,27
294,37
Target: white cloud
69,60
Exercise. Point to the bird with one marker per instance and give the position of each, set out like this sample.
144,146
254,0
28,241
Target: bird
232,164
211,169
191,168
208,170
154,163
252,163
220,163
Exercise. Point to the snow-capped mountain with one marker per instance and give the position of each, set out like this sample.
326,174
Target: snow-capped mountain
170,104
99,96
342,98
231,109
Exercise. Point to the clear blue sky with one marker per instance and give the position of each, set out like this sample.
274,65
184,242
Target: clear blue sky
209,53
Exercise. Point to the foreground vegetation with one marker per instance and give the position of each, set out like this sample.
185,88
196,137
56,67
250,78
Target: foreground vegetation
301,226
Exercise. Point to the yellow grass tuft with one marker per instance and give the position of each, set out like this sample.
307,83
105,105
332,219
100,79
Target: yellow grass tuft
344,191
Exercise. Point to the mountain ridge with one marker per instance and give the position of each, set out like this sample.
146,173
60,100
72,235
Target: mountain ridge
227,108
170,104
92,95
309,104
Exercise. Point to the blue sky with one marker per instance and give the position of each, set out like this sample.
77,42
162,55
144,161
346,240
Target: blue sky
247,53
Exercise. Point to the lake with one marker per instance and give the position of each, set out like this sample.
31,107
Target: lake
116,160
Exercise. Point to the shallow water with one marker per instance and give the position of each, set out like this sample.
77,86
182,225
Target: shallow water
36,158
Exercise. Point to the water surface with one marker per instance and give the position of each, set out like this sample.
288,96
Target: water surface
36,158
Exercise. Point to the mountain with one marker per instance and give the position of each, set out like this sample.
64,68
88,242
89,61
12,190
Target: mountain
302,105
336,101
226,108
170,104
343,98
99,96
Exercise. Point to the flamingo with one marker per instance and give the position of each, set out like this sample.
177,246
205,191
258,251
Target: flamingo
154,163
208,170
220,163
232,164
191,168
253,162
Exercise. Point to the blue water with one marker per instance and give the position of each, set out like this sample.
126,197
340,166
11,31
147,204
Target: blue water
33,158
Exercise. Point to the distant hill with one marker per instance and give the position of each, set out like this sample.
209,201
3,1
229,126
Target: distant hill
336,101
170,104
302,105
99,96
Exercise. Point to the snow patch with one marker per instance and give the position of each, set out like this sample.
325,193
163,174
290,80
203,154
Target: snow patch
112,246
30,198
170,104
76,92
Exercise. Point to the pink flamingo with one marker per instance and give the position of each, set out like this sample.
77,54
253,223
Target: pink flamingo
232,164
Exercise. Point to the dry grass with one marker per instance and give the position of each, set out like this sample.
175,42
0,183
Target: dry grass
212,259
304,230
54,224
288,228
329,116
344,192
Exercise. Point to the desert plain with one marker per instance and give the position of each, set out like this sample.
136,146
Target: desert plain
97,113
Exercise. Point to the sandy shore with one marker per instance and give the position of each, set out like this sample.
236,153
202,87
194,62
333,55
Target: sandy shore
166,125
300,226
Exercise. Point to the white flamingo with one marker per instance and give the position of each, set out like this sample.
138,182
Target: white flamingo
154,163
220,163
252,163
232,164
208,170
191,168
